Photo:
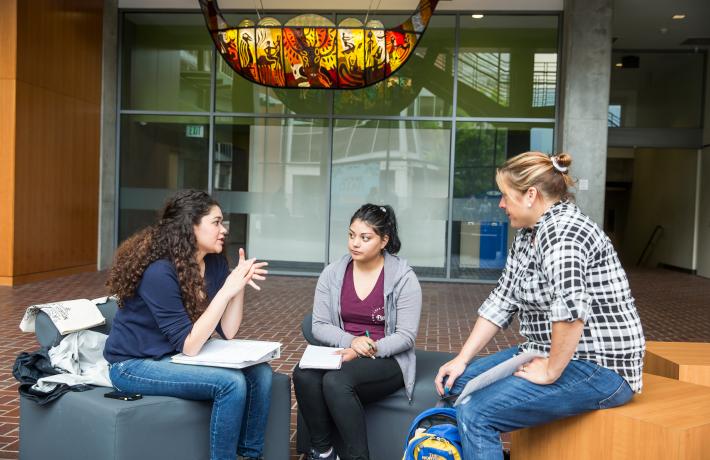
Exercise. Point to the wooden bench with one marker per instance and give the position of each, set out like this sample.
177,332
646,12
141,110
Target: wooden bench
685,361
670,420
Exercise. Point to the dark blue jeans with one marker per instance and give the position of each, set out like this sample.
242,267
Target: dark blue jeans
513,402
241,398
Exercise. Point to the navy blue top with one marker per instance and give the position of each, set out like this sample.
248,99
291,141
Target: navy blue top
154,323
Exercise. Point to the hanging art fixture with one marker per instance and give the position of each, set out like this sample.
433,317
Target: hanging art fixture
309,51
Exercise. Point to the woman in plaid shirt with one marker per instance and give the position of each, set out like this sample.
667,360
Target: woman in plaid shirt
564,281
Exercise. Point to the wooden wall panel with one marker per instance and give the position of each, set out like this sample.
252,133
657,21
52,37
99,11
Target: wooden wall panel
56,217
7,178
57,137
8,70
59,44
8,39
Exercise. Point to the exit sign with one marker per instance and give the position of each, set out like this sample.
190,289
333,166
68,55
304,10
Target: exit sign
195,131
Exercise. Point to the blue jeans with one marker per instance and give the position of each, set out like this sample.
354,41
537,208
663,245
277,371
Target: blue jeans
513,402
241,398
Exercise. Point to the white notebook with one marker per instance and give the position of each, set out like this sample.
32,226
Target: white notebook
316,357
235,353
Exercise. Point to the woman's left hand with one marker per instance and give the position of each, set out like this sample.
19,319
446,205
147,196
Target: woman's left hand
536,371
348,354
364,346
256,273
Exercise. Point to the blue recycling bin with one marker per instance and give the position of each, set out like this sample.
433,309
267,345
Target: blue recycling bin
493,244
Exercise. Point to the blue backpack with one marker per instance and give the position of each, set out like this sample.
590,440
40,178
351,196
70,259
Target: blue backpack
434,435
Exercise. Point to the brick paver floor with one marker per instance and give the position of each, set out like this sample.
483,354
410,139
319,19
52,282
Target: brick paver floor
673,307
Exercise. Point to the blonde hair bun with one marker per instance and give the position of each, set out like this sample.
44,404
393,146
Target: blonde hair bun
563,159
548,173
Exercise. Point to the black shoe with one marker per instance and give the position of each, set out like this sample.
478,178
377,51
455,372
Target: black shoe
315,455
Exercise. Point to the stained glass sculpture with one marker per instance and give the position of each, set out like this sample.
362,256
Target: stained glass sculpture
309,51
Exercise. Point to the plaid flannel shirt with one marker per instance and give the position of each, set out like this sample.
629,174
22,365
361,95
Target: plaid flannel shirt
565,269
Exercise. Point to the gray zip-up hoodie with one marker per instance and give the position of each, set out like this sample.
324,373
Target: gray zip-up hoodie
403,305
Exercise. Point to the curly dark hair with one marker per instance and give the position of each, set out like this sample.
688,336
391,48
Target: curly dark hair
171,238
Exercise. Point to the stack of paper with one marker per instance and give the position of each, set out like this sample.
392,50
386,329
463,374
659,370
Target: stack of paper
68,315
235,353
321,358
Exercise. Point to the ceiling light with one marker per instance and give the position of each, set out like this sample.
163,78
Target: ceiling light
477,16
619,64
679,16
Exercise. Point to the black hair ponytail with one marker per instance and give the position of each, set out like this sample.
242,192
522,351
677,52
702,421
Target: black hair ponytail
383,221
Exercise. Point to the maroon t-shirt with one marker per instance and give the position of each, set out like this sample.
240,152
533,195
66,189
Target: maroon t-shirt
360,315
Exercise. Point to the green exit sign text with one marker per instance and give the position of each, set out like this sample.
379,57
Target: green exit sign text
195,131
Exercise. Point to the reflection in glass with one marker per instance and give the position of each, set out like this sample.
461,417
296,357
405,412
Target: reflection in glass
159,155
270,177
650,92
480,236
487,73
614,116
507,66
544,79
401,163
166,62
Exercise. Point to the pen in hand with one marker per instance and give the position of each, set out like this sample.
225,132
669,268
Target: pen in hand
367,334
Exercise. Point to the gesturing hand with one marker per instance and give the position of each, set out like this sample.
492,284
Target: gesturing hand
258,273
246,271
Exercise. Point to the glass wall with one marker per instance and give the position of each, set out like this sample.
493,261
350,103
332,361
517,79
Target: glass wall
270,176
399,163
480,235
166,62
648,91
159,155
507,66
289,167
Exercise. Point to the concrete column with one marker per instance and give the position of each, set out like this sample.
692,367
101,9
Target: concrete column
108,200
586,69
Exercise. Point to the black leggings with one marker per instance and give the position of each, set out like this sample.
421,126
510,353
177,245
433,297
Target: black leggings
326,397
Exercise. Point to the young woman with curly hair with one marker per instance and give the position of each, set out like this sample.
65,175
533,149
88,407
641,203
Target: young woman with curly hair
175,290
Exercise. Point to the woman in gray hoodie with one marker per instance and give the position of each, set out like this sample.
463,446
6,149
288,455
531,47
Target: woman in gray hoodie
367,303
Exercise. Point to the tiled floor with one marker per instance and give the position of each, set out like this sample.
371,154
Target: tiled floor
673,307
